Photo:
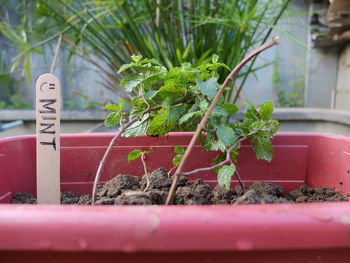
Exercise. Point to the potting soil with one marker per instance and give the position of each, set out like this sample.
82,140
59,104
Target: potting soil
131,190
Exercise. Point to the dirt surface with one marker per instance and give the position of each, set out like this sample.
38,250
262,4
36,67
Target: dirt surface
23,198
130,190
318,194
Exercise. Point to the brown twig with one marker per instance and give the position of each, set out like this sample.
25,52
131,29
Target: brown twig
240,181
203,122
105,156
228,158
117,136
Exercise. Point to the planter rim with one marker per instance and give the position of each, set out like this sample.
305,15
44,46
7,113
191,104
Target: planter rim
160,228
110,134
315,114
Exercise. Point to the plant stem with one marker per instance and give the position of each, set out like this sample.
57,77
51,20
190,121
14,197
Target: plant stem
54,60
240,181
203,122
105,156
146,173
117,136
228,159
169,173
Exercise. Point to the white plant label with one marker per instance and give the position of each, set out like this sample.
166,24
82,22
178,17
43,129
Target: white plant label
48,139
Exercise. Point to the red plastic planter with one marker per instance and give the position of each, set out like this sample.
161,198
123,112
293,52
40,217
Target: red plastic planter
252,233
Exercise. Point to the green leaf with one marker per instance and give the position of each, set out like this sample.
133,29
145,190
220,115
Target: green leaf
227,135
208,87
179,149
171,89
138,128
136,58
203,105
230,108
263,148
150,94
189,116
252,113
180,153
210,143
177,159
218,159
155,73
219,112
112,107
134,155
219,65
215,59
125,67
265,129
266,110
152,61
112,120
225,174
149,150
131,81
164,121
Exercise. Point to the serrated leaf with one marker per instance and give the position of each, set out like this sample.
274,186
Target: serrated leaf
179,149
210,143
138,128
252,113
153,61
177,159
225,174
138,102
262,148
189,116
230,108
112,107
203,105
219,65
164,121
125,67
112,120
171,89
131,81
266,110
136,58
150,94
227,135
155,73
262,128
149,150
208,87
121,103
218,159
134,155
219,112
215,59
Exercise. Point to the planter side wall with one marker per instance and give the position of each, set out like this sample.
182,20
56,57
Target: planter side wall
298,159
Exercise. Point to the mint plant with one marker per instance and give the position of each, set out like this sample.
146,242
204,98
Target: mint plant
185,98
174,99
